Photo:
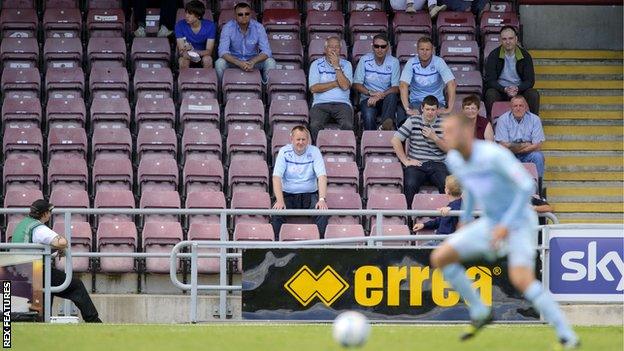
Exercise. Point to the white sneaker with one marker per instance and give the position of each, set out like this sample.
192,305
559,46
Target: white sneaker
434,10
164,32
410,8
140,32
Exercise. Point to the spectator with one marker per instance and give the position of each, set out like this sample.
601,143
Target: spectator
330,80
413,6
446,224
509,72
477,7
377,80
426,74
427,149
32,229
244,44
168,9
299,179
540,205
521,132
195,34
482,127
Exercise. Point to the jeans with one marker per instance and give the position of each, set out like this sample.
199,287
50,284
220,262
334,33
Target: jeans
385,108
302,201
414,177
531,95
536,157
264,67
320,114
77,293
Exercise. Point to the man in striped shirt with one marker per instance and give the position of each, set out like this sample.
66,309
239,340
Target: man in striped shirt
426,149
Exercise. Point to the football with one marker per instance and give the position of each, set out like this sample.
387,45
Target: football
351,329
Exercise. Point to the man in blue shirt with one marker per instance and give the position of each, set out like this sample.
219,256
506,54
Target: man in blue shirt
521,132
424,75
244,44
195,34
299,179
330,83
377,80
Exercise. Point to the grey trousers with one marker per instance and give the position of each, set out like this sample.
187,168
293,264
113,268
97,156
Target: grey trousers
321,114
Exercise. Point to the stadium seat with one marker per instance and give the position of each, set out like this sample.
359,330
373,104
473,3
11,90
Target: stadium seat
160,237
387,201
19,23
237,83
532,169
342,176
110,198
110,111
108,82
112,173
450,22
106,52
22,141
282,22
501,6
106,22
428,202
202,112
117,237
488,48
498,108
70,198
22,172
279,4
68,175
322,5
202,176
150,52
360,48
156,142
226,16
337,145
80,242
204,199
153,83
205,231
296,232
458,51
287,52
321,24
365,5
376,146
364,25
287,84
62,22
407,49
160,199
66,113
19,53
316,49
492,22
21,83
244,114
280,138
104,4
21,110
155,110
344,201
197,82
392,230
20,198
157,174
405,25
67,143
383,177
253,199
201,143
253,232
61,4
246,144
65,83
288,113
18,4
469,82
344,231
62,52
248,174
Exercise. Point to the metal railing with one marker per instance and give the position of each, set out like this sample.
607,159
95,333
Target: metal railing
222,244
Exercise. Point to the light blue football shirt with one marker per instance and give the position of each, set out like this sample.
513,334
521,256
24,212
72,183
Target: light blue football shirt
376,77
322,71
425,81
299,173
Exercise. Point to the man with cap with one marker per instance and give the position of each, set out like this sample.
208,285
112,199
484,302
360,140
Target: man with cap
32,229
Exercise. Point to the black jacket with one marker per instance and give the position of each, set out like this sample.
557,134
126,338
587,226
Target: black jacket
524,67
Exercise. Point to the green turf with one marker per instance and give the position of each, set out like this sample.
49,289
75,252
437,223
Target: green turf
302,337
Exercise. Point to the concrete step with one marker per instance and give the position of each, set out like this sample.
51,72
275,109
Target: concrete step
560,83
587,114
584,130
582,100
576,93
552,176
577,54
591,69
585,163
582,145
587,123
585,190
576,217
585,207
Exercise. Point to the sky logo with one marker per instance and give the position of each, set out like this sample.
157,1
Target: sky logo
590,266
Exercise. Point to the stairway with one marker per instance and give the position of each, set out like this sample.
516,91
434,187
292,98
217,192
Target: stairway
581,110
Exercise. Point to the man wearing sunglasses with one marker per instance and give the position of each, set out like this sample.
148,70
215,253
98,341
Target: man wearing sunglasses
244,44
377,80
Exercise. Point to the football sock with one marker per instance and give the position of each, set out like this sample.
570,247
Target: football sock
543,302
455,274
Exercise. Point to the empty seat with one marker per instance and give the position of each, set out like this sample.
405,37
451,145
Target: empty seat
104,4
246,144
459,51
62,52
201,143
322,5
160,199
21,83
151,110
469,82
393,230
153,83
288,83
150,52
387,201
18,4
320,24
108,82
492,22
287,21
67,142
344,231
197,82
160,237
365,5
248,174
20,198
65,82
244,114
70,198
405,25
200,112
279,4
428,202
19,23
61,4
254,199
68,175
337,145
66,112
156,142
456,23
316,49
19,52
289,113
114,198
106,22
344,201
157,174
22,172
115,111
287,52
295,232
204,199
254,232
113,173
117,237
202,176
343,176
80,242
21,110
488,48
376,146
22,141
237,83
206,231
364,25
106,52
386,177
62,22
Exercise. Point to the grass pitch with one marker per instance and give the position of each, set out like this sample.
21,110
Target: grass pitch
296,337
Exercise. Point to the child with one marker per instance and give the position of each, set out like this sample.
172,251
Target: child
444,224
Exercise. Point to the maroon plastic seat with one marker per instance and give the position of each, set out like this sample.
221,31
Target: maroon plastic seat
62,52
160,237
200,112
62,22
104,4
344,201
18,4
22,141
117,237
67,142
19,52
501,6
206,199
107,82
393,230
364,25
288,52
296,232
287,82
342,176
106,52
205,231
492,22
344,231
226,16
106,21
197,82
498,109
532,169
316,49
405,24
21,110
365,5
324,23
321,5
376,146
156,142
279,4
458,51
69,198
248,174
19,23
201,143
65,82
387,201
455,22
406,49
80,242
360,48
113,173
281,21
22,172
68,175
280,138
254,232
61,4
238,83
150,110
66,112
157,173
153,82
160,199
288,112
469,82
110,111
150,52
21,83
255,199
113,198
246,144
428,202
202,175
387,177
337,144
20,198
244,114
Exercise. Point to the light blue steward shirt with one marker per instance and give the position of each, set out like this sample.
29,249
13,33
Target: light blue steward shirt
322,71
528,129
244,46
425,81
376,77
497,181
299,173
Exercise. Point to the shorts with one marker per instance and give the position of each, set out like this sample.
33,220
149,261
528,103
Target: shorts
473,241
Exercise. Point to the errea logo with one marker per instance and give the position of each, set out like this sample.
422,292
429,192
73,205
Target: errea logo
305,285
